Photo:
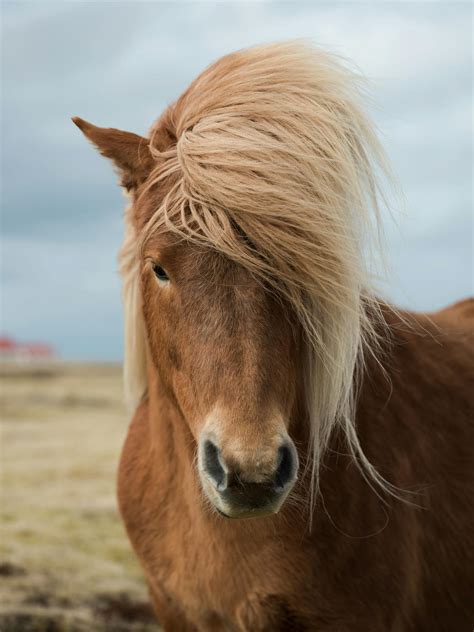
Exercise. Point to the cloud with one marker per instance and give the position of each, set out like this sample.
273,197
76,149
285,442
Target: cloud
120,64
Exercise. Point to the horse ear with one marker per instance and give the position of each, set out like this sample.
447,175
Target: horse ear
129,152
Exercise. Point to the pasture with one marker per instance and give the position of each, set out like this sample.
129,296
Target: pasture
65,561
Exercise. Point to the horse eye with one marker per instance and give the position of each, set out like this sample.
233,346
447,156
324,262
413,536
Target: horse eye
160,273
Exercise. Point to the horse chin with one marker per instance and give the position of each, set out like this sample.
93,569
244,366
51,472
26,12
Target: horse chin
245,514
241,510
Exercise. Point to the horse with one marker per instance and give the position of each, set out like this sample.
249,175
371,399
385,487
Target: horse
300,453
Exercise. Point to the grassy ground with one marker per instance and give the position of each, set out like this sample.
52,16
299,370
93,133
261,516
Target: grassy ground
65,561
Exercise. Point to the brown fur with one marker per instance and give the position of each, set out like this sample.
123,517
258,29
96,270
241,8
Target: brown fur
370,562
365,565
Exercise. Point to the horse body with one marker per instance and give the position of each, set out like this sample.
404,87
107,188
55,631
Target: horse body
268,380
363,566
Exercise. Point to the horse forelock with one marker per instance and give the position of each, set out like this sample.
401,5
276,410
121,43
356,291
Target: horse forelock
272,144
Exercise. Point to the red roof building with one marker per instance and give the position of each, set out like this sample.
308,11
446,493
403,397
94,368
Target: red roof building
10,350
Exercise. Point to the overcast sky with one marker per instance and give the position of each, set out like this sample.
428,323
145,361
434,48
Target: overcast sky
120,64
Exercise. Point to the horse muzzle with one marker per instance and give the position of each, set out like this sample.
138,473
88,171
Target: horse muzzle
249,489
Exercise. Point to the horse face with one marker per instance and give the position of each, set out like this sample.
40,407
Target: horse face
225,347
226,350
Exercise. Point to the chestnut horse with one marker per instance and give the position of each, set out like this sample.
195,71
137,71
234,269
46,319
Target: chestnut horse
269,382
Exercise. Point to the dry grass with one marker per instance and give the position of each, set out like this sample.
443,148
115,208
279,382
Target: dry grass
66,563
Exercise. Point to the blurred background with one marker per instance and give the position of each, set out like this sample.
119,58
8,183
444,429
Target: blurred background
65,559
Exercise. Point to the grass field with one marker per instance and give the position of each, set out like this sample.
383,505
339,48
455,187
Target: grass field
65,561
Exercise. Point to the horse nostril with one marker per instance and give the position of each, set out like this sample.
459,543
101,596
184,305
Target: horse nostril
212,465
244,485
286,467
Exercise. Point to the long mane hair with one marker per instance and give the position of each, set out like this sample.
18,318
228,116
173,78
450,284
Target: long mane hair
273,143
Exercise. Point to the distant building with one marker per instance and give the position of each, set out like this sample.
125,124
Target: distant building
13,351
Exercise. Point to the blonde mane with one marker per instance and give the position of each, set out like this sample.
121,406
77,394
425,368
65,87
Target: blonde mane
274,140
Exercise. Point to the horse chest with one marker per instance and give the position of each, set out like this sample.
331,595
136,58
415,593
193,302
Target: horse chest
214,570
205,575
